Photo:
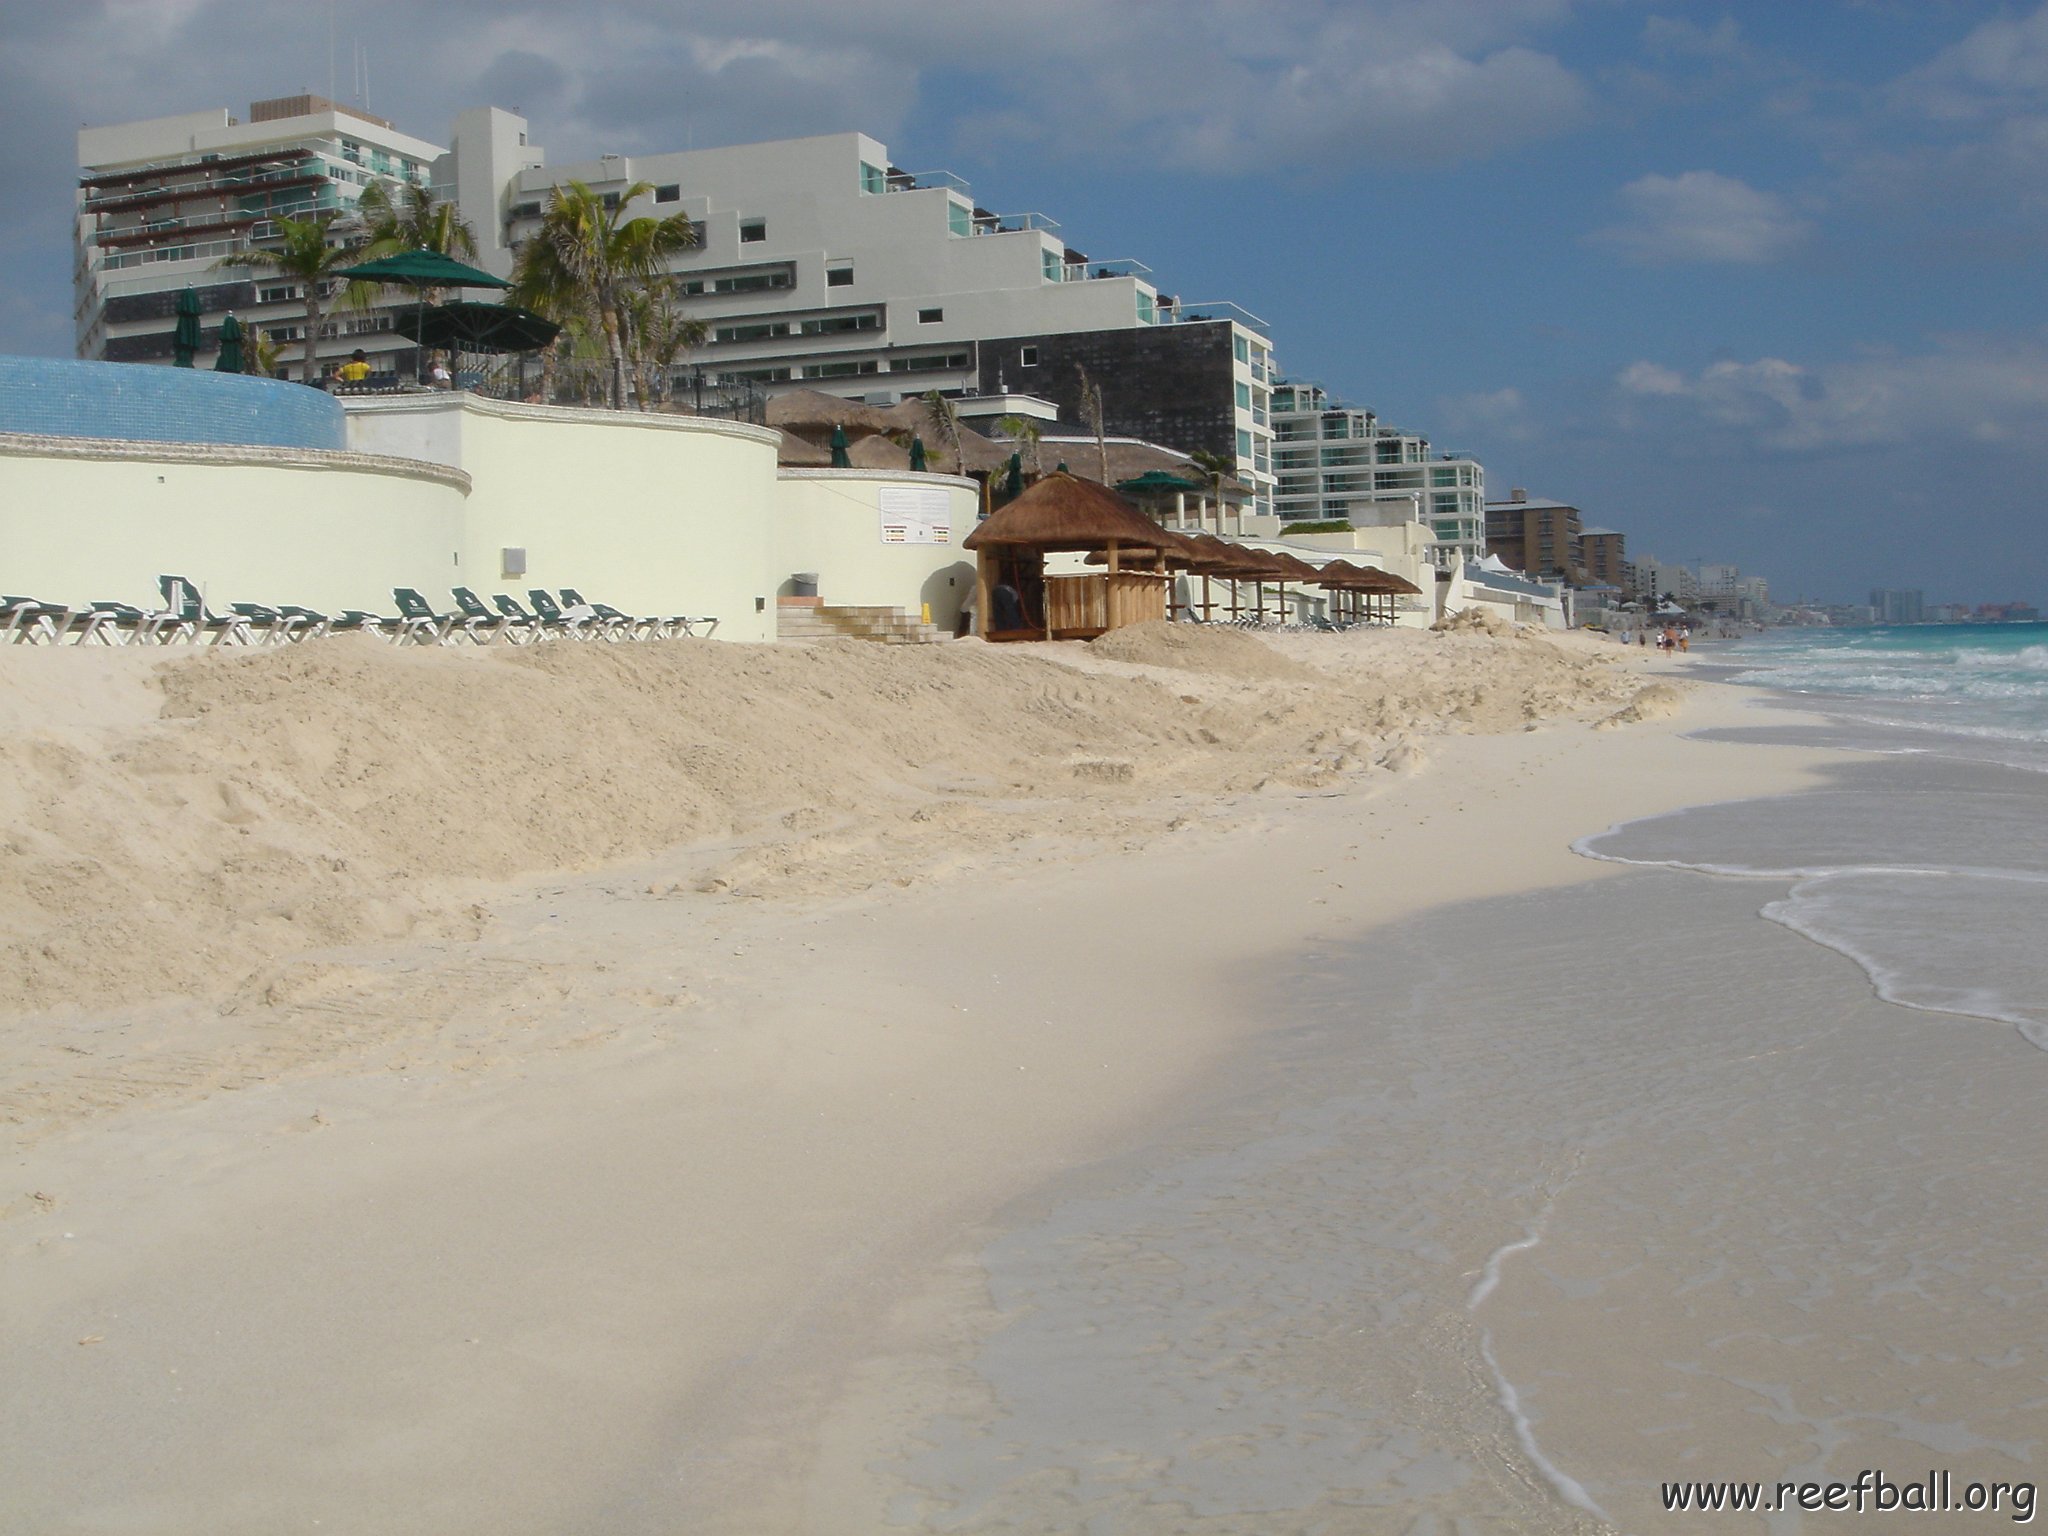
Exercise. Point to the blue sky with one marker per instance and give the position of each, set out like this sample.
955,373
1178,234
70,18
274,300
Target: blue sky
1754,282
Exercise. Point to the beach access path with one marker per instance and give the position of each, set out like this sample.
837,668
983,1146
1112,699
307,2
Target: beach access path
611,1251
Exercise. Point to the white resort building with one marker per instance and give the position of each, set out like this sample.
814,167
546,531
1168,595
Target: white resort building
1335,462
821,265
161,202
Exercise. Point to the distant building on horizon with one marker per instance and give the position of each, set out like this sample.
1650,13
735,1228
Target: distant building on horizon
1335,461
1898,605
1537,536
1605,552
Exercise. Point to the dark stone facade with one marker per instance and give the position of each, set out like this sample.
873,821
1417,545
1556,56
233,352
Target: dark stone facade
1168,384
214,299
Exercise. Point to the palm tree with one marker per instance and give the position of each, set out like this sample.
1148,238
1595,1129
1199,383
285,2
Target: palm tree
1091,415
1215,468
1025,432
584,252
658,333
946,423
305,256
408,218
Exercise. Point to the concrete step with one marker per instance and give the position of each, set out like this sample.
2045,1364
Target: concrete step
886,626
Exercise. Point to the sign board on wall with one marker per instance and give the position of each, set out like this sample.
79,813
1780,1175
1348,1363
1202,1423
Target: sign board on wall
915,514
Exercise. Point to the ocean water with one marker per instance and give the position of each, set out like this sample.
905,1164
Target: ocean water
1928,864
1728,1167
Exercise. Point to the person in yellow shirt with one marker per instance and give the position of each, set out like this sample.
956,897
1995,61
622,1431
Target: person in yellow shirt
356,369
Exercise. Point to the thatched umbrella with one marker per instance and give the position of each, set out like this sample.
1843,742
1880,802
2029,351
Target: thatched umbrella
1295,569
1342,576
1060,514
1386,586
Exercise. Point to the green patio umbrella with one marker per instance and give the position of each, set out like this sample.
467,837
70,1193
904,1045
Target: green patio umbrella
421,269
230,359
1156,481
471,327
917,464
1062,469
185,339
839,458
1014,485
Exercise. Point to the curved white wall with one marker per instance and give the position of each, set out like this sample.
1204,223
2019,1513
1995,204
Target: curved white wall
649,513
830,521
90,519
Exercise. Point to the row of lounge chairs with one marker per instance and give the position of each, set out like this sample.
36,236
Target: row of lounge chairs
185,619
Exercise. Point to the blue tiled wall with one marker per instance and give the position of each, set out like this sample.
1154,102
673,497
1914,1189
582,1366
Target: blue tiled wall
61,398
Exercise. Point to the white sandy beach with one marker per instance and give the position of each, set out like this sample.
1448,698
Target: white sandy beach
565,1091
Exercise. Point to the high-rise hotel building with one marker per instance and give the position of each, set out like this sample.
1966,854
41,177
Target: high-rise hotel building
162,202
1335,462
821,264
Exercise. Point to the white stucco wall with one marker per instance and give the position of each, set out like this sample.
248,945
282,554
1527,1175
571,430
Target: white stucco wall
650,513
830,521
86,519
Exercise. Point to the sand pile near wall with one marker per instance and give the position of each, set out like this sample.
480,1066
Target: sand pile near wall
343,791
1198,648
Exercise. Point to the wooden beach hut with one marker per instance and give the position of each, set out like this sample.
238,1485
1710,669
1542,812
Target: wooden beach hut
1018,599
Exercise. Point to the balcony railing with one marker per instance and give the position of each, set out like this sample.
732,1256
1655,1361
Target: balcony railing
922,181
216,186
1089,271
1012,223
200,222
1221,309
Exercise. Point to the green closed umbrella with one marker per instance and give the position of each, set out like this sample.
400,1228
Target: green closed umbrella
1062,468
230,359
839,458
917,464
1014,486
185,339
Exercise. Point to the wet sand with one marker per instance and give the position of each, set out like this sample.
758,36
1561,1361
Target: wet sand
688,1225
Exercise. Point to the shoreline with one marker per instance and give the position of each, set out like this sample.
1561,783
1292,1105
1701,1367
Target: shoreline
908,1104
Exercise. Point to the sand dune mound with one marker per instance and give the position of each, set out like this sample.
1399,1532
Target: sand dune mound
342,791
1198,648
1658,701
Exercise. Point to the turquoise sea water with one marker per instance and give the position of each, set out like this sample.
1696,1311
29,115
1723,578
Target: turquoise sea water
1970,682
1927,861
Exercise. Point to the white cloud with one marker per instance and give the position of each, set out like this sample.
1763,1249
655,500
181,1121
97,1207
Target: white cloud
1492,415
1651,379
1967,389
1703,216
2000,64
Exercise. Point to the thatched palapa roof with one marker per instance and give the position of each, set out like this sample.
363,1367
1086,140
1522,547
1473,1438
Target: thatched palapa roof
1063,512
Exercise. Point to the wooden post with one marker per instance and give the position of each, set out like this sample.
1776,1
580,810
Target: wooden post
982,586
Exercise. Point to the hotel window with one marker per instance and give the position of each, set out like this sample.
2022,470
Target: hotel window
1027,357
1244,445
1244,397
753,231
838,274
283,295
872,178
672,193
959,218
1148,311
1052,266
930,316
1243,349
